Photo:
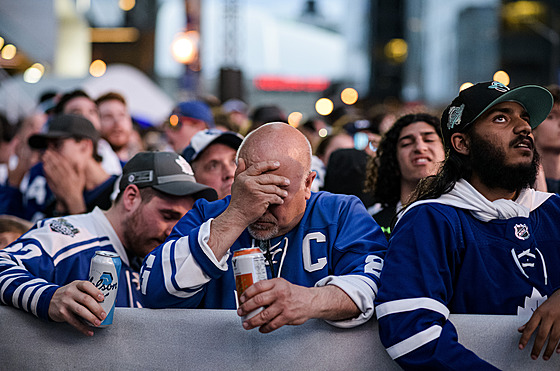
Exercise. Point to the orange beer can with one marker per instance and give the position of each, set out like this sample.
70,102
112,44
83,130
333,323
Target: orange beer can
249,267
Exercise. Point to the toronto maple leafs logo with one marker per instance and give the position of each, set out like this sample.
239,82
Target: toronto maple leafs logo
521,231
455,114
185,167
64,227
498,86
530,304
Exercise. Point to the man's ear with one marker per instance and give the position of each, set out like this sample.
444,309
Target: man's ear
308,182
460,143
131,198
86,145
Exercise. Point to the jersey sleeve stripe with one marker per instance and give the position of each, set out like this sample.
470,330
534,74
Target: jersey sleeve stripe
408,305
170,271
414,342
5,282
26,290
36,297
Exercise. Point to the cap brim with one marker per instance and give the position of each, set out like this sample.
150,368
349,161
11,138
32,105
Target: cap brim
40,141
196,190
537,101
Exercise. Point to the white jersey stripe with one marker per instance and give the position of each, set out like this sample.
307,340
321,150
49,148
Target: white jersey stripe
29,292
169,276
76,250
36,297
26,292
8,278
408,305
5,281
414,342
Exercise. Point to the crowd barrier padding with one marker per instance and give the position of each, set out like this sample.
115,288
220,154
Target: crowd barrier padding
191,339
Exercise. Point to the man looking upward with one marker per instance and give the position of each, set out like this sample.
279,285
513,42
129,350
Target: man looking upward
477,239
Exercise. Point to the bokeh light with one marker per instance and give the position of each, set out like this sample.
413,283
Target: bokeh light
127,5
1,42
324,106
294,119
185,47
396,50
349,96
323,132
97,68
9,51
465,85
502,76
174,120
33,74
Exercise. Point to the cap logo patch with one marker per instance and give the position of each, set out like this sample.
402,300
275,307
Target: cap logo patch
521,231
498,86
455,114
141,177
185,167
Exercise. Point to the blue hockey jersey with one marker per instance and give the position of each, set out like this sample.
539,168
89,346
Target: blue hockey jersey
56,252
336,242
441,260
34,200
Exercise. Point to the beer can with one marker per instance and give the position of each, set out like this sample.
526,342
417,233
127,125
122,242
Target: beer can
104,273
248,268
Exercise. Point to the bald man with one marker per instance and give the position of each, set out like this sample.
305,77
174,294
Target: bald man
324,252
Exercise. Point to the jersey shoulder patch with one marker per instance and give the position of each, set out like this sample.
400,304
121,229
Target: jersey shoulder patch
64,227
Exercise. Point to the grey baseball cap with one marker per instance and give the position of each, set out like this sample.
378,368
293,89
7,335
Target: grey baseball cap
64,126
167,172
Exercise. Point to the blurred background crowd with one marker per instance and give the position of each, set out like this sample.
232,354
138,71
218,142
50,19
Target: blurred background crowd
196,76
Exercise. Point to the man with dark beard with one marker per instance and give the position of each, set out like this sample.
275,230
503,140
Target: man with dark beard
324,252
475,239
45,271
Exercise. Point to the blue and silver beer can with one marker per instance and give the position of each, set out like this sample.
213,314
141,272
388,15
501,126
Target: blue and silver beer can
104,273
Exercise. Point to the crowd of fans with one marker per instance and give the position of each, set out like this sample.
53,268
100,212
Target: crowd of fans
81,159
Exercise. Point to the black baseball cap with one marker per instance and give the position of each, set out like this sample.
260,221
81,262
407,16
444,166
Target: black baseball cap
64,126
168,172
473,101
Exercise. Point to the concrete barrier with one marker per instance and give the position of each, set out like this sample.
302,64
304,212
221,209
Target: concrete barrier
185,339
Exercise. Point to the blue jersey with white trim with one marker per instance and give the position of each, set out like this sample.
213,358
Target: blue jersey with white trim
36,200
442,260
56,252
335,238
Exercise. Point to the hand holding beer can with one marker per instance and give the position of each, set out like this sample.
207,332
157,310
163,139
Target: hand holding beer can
248,267
104,273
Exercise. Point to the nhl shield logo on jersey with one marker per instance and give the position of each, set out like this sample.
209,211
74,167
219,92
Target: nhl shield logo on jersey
62,226
521,231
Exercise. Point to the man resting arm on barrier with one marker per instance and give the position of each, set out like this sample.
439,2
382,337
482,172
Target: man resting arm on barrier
45,271
324,252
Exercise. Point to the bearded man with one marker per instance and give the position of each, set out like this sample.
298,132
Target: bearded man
476,239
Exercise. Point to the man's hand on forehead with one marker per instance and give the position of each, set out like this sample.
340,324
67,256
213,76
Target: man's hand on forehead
255,188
